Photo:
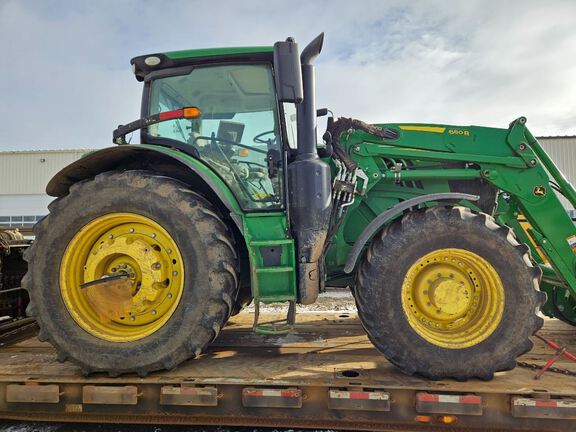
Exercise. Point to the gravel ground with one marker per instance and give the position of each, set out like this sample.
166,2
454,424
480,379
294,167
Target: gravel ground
333,300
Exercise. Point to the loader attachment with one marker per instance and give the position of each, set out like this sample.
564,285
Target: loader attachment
533,193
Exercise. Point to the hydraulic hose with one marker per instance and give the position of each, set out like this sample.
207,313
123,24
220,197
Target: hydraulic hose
343,125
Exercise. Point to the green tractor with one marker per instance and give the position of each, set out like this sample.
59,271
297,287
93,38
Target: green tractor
150,248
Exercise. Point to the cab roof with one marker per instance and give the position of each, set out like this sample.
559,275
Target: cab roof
143,65
211,52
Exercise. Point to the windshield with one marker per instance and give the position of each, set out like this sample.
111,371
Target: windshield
237,134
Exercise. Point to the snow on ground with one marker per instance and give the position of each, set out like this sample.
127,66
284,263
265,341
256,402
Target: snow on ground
332,301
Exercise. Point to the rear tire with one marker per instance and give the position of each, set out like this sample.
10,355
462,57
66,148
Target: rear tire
430,317
209,285
244,299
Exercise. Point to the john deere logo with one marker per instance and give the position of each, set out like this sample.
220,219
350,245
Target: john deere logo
539,191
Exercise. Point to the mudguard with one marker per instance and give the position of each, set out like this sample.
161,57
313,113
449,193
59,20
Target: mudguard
383,218
163,160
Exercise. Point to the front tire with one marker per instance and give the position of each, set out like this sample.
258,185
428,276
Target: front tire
448,293
172,245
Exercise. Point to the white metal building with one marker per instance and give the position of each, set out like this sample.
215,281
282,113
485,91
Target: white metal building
24,175
562,150
23,179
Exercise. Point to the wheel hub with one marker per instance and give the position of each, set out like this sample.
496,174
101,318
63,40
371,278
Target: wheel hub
136,258
122,244
449,297
453,298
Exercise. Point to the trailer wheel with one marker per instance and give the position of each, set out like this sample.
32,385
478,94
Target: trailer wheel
131,272
448,293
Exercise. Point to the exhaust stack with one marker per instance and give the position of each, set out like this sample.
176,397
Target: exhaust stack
307,109
310,188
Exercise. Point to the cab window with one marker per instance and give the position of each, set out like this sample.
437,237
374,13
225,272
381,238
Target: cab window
238,133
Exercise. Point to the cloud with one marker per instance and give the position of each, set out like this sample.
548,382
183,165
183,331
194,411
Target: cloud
66,80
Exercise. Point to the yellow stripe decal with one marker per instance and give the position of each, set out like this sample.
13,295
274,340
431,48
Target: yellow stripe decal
434,129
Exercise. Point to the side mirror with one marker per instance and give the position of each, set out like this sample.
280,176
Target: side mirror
288,71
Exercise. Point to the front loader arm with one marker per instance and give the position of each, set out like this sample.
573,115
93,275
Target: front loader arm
511,160
531,193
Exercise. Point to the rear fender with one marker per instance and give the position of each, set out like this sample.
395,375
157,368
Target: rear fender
164,161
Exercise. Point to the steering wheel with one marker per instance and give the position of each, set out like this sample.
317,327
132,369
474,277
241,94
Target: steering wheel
228,162
258,138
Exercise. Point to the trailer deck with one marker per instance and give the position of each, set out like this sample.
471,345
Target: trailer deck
324,374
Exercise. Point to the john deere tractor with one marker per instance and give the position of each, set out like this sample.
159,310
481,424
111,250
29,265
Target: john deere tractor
150,248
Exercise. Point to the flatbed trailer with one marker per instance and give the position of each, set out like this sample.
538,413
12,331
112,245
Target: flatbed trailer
326,374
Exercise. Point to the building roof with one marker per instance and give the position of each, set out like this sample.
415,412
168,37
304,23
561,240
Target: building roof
38,151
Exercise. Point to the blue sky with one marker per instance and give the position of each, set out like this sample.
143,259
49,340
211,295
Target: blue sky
66,79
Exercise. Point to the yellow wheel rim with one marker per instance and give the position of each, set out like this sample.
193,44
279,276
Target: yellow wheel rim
140,252
453,298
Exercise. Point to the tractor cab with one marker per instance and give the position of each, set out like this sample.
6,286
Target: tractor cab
246,113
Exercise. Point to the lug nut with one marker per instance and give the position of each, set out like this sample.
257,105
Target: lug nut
153,235
169,295
169,251
132,318
131,230
174,273
153,312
